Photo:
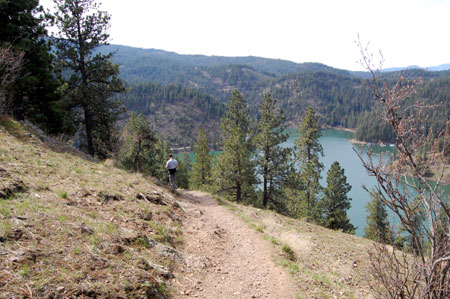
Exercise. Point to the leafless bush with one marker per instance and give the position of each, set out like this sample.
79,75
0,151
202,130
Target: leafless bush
402,183
10,64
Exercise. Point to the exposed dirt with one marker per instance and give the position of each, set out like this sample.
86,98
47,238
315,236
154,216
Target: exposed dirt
225,258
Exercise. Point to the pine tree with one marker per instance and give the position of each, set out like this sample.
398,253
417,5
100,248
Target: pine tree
183,171
159,170
34,94
273,161
307,152
335,202
138,139
234,172
377,227
201,168
93,78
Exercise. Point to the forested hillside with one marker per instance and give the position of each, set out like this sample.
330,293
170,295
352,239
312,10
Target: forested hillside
176,112
341,98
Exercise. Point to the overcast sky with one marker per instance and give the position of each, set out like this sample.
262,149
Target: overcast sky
408,32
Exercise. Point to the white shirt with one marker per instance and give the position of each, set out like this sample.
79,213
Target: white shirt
172,163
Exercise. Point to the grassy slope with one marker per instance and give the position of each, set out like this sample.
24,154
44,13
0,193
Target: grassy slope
78,228
323,262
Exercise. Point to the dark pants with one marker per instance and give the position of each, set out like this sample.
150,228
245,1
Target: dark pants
173,179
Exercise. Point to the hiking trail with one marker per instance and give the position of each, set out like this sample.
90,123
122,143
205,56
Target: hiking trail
225,258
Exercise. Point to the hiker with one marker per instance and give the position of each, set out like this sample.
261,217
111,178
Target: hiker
171,166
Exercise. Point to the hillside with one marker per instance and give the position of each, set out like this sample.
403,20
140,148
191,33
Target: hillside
341,98
72,227
175,112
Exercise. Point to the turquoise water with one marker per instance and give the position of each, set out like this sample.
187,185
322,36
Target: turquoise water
337,147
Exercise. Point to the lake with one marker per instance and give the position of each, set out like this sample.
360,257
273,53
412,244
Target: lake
337,147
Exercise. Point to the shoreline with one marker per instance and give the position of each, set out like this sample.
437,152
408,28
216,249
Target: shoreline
340,129
355,141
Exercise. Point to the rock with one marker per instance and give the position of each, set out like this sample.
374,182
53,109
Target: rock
117,249
9,184
108,197
152,197
160,270
168,252
86,229
148,217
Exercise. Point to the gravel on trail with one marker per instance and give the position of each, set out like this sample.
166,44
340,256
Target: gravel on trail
225,257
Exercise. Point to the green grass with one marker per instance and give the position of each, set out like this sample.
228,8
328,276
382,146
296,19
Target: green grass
143,241
289,265
162,234
260,228
290,254
322,278
4,209
25,271
12,127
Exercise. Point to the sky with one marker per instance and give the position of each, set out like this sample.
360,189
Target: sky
407,32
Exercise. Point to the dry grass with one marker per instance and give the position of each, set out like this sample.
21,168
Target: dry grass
77,228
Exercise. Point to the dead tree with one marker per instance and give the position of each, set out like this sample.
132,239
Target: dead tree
402,183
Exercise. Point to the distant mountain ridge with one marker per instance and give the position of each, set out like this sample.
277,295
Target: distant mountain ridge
441,67
340,97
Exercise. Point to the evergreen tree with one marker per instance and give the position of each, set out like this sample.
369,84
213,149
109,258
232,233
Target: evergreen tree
377,227
161,153
335,202
93,78
307,152
273,161
404,237
34,94
201,168
234,172
183,171
137,151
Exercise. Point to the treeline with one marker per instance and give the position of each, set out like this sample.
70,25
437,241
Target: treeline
62,83
146,97
175,112
255,168
434,94
341,98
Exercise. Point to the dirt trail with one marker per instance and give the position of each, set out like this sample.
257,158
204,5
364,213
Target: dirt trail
225,258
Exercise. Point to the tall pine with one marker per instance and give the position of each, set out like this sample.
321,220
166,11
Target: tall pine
234,172
183,171
92,79
335,202
273,161
307,153
201,168
377,223
138,145
33,95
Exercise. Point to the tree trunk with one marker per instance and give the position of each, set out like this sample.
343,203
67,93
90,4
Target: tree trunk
88,125
265,195
238,191
136,158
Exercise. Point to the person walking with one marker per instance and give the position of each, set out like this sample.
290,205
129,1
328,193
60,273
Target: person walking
171,166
